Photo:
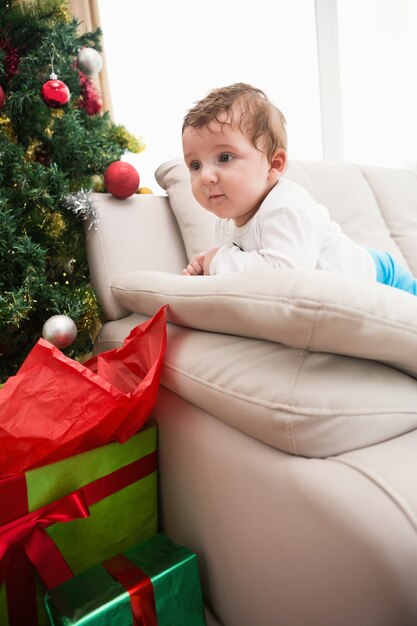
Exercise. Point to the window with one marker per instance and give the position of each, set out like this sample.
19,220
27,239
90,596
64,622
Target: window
362,107
163,56
378,62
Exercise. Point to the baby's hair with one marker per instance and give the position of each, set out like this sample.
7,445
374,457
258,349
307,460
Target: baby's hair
248,109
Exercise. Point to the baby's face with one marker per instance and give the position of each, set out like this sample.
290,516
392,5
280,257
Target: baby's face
229,176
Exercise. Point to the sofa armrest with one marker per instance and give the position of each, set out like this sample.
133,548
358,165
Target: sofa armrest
139,232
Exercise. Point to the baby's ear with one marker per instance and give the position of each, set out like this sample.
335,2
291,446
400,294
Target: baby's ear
278,163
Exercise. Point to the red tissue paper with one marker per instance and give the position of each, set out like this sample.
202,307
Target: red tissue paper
56,407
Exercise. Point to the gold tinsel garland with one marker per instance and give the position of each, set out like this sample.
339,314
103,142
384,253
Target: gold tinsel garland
35,145
53,223
129,141
90,317
7,127
33,149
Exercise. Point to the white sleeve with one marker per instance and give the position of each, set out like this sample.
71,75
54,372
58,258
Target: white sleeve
287,239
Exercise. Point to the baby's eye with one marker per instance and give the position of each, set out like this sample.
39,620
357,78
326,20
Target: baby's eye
224,158
195,165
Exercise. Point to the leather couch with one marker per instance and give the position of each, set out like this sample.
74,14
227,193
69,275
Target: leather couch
287,412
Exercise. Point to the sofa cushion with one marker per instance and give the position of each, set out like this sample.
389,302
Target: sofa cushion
350,199
314,310
195,223
306,403
395,191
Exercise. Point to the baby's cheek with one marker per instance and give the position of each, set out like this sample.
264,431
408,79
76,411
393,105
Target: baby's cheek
199,196
195,188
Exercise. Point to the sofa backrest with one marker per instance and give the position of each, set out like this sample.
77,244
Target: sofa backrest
375,206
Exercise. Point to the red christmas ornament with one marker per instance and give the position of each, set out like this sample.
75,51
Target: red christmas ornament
2,97
54,92
121,179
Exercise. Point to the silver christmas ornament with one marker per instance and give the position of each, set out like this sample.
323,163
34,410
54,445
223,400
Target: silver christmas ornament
89,61
60,330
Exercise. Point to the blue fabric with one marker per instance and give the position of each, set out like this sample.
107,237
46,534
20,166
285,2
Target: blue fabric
390,272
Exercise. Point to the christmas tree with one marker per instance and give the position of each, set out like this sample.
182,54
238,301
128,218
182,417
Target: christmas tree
55,145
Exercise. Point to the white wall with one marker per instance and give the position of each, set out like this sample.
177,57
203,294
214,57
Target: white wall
163,56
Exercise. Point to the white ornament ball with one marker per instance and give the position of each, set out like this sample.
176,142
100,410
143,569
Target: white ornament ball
89,61
60,330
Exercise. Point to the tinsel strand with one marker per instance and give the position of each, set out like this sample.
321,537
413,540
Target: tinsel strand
82,204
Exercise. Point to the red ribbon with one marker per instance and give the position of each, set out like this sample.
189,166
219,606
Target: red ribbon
24,544
119,479
138,585
28,531
13,498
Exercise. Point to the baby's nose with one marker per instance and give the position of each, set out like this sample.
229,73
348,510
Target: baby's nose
208,175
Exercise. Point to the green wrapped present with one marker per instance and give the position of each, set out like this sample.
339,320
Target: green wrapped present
107,498
156,583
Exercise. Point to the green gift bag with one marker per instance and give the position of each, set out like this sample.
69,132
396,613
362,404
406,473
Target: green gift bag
107,498
155,583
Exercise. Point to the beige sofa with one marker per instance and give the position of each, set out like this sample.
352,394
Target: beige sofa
287,412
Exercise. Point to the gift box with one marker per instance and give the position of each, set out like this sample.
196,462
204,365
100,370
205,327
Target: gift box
155,583
61,519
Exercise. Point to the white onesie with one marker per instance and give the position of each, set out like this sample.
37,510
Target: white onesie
289,230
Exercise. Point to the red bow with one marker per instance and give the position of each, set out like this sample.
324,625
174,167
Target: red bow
25,540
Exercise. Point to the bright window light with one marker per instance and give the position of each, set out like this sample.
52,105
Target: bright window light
163,56
378,60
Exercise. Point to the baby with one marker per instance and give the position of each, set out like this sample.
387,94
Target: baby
235,147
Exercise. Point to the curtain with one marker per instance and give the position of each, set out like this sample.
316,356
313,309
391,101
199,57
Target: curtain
87,13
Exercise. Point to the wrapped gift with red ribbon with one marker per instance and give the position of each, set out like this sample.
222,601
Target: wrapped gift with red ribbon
75,479
61,519
155,583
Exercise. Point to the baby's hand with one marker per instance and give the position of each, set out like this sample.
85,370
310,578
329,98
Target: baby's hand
200,264
195,266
